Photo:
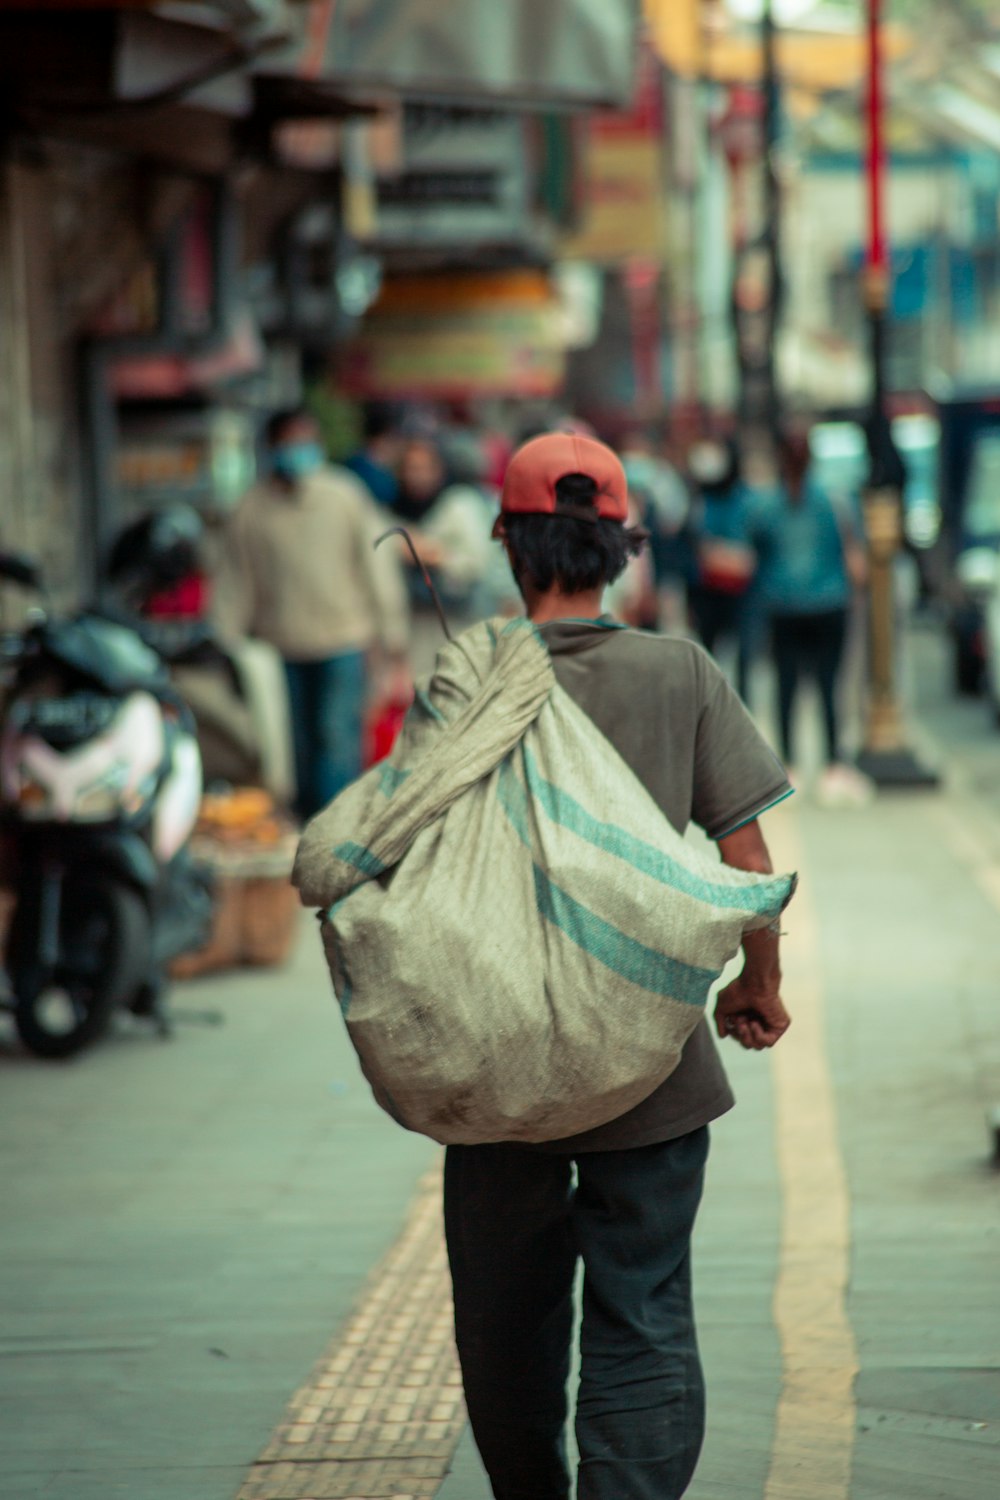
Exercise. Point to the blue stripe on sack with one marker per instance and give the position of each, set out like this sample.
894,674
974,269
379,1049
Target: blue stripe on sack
621,954
625,956
360,858
391,779
513,800
520,622
423,699
563,809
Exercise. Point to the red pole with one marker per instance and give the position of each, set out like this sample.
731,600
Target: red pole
876,258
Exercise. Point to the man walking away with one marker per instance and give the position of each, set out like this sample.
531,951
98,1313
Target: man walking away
515,1222
301,572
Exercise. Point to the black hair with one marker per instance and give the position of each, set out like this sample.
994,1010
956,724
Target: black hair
792,449
279,420
379,419
568,553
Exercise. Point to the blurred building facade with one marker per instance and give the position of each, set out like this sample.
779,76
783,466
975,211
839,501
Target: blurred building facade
943,133
200,202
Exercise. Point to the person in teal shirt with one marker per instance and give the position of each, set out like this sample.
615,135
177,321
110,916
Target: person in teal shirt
808,563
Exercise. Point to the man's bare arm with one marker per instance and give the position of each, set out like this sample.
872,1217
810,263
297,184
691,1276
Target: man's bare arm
750,1009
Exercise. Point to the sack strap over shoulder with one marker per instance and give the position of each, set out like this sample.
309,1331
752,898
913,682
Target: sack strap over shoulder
513,680
473,744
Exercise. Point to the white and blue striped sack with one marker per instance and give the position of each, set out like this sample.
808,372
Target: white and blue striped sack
519,940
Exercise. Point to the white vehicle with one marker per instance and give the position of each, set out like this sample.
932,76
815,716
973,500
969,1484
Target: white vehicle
977,570
100,784
841,456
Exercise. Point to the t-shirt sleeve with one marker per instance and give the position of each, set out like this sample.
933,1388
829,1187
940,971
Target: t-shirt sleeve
737,775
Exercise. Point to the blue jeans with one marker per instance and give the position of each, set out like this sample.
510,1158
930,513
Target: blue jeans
515,1228
327,701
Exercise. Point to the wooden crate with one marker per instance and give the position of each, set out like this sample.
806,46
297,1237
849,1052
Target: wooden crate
222,951
257,909
269,919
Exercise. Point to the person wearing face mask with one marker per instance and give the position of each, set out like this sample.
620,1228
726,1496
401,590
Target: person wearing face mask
444,508
300,571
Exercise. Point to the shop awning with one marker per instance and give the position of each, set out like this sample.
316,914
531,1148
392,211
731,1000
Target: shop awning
167,82
530,52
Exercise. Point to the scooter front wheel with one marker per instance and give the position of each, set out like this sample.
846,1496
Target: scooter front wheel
104,943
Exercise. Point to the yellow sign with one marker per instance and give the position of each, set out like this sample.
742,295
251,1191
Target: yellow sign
624,215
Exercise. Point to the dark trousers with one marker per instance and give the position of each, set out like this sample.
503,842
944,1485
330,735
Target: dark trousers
515,1227
809,646
327,701
719,617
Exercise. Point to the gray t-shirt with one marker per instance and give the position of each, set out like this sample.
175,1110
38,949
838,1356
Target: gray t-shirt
674,719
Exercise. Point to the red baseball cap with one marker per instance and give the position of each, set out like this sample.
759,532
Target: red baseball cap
529,486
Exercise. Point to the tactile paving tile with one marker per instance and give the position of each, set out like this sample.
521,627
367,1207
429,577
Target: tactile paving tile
381,1415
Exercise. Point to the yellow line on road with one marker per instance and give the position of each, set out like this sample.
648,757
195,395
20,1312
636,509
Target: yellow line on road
816,1417
972,844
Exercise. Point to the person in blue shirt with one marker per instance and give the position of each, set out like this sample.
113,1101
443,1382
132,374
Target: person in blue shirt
809,562
375,462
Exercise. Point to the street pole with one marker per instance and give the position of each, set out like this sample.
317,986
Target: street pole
772,217
886,755
758,278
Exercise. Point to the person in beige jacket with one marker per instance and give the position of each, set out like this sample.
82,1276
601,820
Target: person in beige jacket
300,571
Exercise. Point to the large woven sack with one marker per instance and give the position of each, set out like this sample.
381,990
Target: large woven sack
520,941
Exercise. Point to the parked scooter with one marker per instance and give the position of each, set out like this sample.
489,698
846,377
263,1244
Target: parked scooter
157,571
100,784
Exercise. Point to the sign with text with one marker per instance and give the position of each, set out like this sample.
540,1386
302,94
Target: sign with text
453,337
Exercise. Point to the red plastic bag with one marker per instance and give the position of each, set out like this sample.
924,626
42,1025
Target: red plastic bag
383,730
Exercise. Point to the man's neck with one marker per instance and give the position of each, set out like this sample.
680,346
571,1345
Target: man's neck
542,608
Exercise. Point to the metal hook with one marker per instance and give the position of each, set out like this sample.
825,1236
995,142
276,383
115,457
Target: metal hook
402,531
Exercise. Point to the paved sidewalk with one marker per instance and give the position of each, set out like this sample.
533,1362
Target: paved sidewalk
183,1226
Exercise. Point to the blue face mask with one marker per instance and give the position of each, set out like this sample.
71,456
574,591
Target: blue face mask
294,461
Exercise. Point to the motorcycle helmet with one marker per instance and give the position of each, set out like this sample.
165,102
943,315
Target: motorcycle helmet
155,553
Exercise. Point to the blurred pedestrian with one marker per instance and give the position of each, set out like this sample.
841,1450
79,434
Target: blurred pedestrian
810,562
623,1196
632,598
375,461
421,477
300,571
660,495
450,526
721,596
467,510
